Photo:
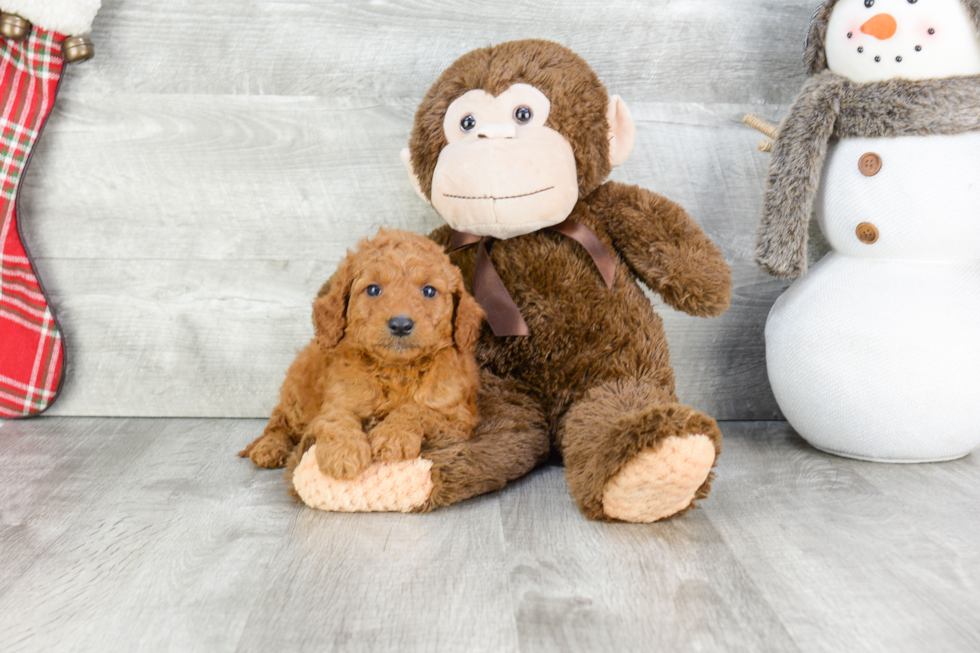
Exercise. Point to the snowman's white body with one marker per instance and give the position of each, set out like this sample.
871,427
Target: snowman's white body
875,352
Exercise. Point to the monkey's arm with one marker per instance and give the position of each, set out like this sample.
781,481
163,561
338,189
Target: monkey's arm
665,248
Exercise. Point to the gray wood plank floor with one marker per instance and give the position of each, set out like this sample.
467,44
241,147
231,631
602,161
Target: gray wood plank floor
150,535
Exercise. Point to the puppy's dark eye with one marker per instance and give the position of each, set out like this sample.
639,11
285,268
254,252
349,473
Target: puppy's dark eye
468,122
429,292
373,290
523,114
869,3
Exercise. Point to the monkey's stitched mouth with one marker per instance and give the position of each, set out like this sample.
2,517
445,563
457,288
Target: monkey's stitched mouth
491,197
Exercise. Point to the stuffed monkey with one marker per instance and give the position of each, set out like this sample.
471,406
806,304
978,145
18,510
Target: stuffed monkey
511,146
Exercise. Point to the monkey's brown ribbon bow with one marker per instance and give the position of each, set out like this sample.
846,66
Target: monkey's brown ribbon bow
502,313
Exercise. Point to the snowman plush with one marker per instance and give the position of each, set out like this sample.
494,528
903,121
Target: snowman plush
874,353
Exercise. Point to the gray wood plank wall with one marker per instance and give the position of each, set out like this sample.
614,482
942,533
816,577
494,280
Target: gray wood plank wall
202,176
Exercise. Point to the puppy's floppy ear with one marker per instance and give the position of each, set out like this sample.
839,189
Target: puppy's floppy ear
468,318
330,307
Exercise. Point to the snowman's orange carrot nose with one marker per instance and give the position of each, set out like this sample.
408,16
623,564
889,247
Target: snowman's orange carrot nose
881,26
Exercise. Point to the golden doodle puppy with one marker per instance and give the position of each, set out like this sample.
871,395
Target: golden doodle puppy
391,365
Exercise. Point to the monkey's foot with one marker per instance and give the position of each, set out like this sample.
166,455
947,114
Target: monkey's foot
628,458
401,486
661,481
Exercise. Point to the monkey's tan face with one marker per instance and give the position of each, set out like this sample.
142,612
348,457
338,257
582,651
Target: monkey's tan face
504,172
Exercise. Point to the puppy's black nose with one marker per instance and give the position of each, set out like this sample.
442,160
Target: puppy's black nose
400,325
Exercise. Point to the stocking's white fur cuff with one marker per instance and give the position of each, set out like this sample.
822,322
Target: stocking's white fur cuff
69,17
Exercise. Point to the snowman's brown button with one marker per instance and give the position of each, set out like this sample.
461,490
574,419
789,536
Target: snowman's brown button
867,233
870,164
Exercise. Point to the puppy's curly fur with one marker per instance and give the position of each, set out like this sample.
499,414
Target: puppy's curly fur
363,390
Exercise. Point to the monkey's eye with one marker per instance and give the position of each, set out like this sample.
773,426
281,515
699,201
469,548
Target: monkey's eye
523,114
429,292
373,290
467,123
869,3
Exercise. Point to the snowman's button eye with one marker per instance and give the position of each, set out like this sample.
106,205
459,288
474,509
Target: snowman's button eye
912,2
869,3
850,34
932,31
918,48
898,59
861,49
878,59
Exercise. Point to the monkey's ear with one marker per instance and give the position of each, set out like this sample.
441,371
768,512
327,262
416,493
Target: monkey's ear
407,160
330,308
622,131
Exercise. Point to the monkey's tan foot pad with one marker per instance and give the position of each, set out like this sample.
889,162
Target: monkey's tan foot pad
659,483
383,487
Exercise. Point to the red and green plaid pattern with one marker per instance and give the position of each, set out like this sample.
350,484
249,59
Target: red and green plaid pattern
31,350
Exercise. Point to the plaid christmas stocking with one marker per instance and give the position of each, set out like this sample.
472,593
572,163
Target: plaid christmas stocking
32,355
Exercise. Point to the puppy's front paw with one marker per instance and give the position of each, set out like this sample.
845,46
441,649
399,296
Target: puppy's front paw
267,451
343,457
391,445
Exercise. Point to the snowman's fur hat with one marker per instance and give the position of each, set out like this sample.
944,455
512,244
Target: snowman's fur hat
814,54
831,106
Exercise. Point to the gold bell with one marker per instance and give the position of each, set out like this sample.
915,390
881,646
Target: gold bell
14,27
77,48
